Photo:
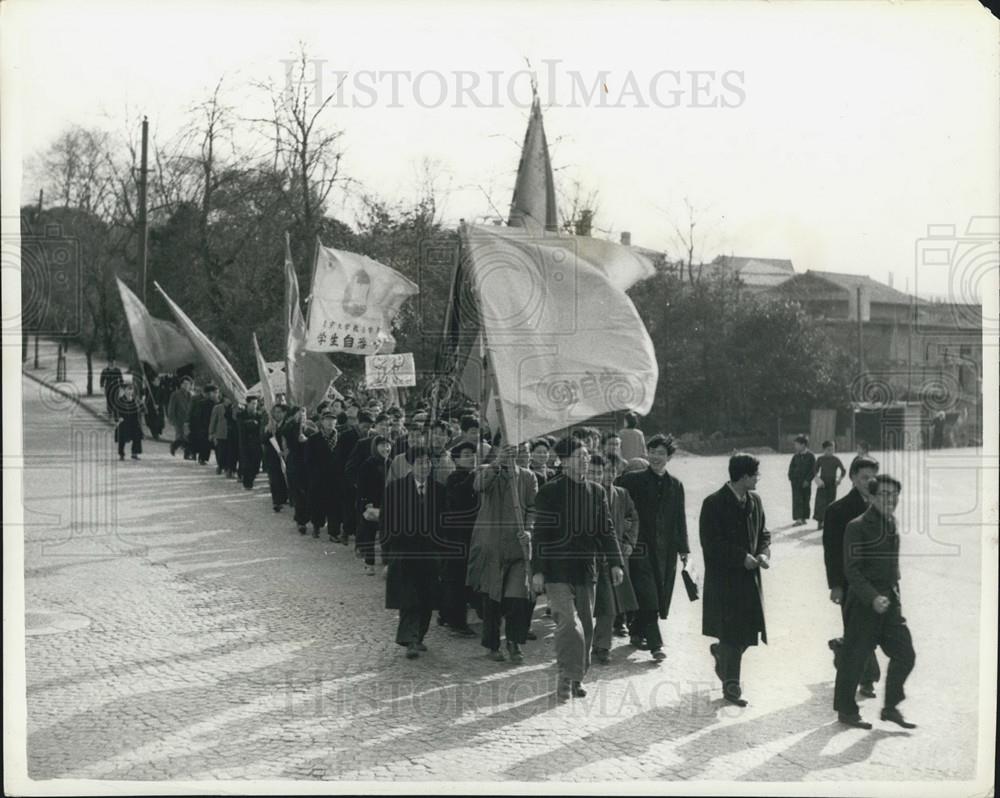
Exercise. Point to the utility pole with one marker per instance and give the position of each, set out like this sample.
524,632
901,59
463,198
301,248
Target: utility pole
861,351
143,222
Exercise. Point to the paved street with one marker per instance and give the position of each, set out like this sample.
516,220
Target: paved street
179,629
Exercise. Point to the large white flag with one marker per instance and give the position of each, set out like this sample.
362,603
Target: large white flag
353,302
564,340
221,369
157,342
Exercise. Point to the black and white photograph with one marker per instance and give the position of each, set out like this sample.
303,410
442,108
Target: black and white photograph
500,398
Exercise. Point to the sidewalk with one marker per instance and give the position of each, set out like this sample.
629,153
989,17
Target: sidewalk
74,387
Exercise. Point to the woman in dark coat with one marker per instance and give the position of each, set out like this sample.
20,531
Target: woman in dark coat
736,546
129,411
248,433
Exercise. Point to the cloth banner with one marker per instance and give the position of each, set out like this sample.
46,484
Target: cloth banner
157,342
265,388
222,371
390,371
353,302
564,340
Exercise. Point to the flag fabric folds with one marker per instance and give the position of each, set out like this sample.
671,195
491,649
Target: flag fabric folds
220,368
353,302
308,374
265,387
563,339
157,342
534,202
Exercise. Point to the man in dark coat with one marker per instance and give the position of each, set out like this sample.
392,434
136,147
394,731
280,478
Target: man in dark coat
358,425
199,421
272,458
736,545
319,465
838,515
292,435
874,610
129,426
572,528
179,415
663,536
110,382
248,432
371,496
462,502
410,523
801,468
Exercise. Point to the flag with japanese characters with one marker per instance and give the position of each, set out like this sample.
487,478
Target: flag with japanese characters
353,302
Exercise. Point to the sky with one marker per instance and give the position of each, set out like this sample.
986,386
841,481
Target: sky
833,134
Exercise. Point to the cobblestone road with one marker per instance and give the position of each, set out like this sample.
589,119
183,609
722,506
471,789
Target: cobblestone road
179,629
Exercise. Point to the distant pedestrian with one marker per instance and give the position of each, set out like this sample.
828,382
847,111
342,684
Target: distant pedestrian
320,475
129,414
371,496
272,458
218,433
874,610
199,421
633,442
110,381
736,545
828,473
179,413
801,468
863,451
573,528
462,505
249,427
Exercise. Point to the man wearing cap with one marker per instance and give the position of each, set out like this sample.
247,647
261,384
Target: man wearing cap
573,527
178,413
320,467
462,503
248,432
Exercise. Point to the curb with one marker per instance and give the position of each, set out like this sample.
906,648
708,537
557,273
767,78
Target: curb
68,395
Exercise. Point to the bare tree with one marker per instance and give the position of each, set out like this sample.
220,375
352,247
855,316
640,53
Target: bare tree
691,236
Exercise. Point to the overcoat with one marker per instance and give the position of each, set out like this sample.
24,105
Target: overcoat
130,413
462,507
663,534
733,603
610,599
409,536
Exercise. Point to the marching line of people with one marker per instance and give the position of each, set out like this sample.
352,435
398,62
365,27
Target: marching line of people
460,523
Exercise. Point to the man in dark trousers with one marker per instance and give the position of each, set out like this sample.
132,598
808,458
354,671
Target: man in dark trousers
320,471
736,545
272,458
249,424
800,473
199,421
129,410
838,515
462,502
410,522
371,496
572,527
358,426
659,504
874,614
292,434
179,414
110,382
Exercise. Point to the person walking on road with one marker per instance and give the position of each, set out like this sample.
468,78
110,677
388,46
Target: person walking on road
874,613
409,537
838,515
179,414
828,473
662,539
110,381
573,528
249,428
129,414
801,468
320,475
272,458
737,546
199,421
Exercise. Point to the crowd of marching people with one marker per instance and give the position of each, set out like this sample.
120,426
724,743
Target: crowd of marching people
457,521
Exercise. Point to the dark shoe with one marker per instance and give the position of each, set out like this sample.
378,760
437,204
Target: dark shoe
578,691
620,631
441,621
735,700
638,642
316,532
564,690
867,690
421,647
497,655
714,649
302,529
893,715
335,538
277,508
514,653
602,656
464,631
218,470
658,655
854,721
135,457
412,652
531,635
